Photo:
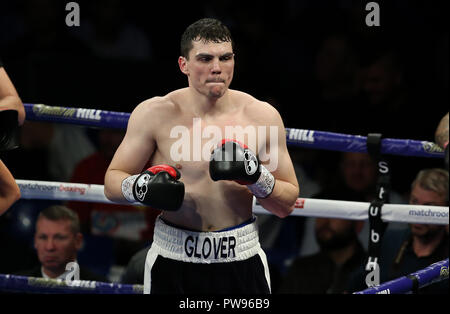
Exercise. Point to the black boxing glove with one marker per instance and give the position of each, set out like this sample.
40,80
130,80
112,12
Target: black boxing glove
9,128
232,160
158,187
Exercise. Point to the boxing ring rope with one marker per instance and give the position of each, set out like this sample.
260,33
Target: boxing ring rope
296,137
13,283
436,272
432,274
64,191
304,206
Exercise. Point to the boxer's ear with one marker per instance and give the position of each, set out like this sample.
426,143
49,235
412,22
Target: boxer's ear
182,63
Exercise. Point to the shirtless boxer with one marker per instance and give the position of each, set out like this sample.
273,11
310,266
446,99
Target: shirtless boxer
205,240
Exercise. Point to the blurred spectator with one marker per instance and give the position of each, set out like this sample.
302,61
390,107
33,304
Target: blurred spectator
44,31
56,148
332,90
68,146
49,63
110,35
336,69
281,239
388,93
130,226
328,270
57,241
134,272
386,96
16,237
355,181
406,251
384,82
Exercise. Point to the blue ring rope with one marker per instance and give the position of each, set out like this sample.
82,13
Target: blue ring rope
13,283
295,137
433,273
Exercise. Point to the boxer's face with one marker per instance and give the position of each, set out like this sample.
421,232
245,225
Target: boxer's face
55,243
209,68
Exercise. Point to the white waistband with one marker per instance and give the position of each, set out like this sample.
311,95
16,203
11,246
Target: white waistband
206,247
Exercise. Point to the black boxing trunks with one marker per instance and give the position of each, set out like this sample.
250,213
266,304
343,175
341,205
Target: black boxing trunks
229,261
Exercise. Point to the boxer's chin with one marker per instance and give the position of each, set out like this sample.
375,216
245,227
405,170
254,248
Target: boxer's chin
217,91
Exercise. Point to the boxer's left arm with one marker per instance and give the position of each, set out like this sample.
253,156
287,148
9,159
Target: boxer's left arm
9,191
286,190
272,181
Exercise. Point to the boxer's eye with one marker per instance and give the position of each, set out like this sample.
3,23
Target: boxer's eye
226,57
204,58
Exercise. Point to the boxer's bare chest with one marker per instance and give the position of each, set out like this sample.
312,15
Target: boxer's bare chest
188,140
187,144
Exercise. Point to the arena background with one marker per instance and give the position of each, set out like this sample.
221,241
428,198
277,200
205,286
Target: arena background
307,58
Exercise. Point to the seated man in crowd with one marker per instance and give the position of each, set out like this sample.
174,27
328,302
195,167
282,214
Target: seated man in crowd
404,252
328,270
57,241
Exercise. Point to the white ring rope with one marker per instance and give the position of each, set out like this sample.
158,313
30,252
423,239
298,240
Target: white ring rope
421,214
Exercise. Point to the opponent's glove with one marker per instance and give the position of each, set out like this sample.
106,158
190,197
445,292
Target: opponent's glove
9,128
158,187
232,160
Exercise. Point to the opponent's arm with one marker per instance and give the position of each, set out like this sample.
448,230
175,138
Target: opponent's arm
9,191
9,99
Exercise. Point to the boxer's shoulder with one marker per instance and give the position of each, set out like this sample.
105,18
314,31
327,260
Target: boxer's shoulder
260,111
249,101
157,105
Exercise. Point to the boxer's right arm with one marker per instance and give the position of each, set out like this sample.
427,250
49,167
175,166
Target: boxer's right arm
134,151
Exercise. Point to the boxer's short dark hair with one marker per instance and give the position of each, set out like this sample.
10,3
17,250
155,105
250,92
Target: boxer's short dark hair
207,30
